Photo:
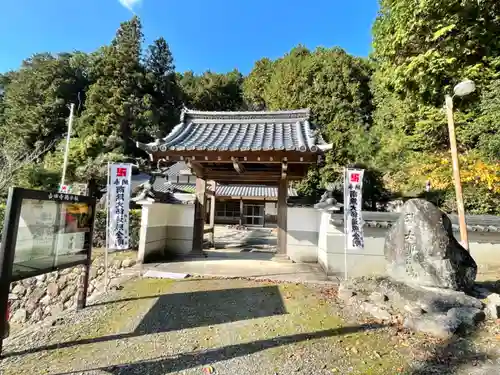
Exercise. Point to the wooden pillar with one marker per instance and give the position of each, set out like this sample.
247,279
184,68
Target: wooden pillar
213,186
264,215
282,211
200,213
241,211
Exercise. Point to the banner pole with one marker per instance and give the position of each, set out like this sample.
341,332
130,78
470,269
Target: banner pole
345,223
108,191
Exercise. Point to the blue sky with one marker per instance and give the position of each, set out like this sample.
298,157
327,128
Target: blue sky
217,35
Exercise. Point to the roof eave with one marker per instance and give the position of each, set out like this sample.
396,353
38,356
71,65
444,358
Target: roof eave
325,147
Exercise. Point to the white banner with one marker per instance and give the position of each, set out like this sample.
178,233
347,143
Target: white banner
119,180
353,201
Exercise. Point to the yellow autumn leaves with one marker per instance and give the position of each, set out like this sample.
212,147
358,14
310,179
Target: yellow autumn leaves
438,170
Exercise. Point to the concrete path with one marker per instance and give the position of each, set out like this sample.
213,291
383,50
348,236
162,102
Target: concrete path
250,239
228,267
249,253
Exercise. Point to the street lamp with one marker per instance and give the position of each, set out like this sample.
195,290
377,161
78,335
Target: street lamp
462,89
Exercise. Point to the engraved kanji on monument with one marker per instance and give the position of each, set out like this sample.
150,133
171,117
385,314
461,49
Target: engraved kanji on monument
420,248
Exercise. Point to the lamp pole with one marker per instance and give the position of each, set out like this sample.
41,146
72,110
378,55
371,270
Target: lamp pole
462,89
456,172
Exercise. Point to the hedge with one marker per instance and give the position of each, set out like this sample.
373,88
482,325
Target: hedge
100,232
100,225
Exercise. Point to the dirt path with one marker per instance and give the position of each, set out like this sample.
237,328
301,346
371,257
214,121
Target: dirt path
156,326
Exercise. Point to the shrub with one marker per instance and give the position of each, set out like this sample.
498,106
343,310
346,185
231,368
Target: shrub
100,229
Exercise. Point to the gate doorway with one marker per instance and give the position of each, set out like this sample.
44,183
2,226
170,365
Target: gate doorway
253,214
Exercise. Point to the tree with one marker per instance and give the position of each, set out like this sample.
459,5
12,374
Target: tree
212,91
13,158
421,50
255,83
424,47
116,102
162,86
486,133
36,99
333,84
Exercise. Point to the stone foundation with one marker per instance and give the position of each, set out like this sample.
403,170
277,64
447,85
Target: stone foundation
36,298
434,311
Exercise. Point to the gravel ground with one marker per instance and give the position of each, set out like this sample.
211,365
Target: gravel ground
250,239
155,326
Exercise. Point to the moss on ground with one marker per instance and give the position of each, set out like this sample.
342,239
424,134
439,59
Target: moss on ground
98,252
311,330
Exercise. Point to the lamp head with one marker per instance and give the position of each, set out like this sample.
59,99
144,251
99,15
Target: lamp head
464,88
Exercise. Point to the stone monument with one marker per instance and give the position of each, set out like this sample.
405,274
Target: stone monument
430,278
420,249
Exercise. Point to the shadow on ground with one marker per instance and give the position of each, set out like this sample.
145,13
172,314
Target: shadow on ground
453,356
185,361
177,311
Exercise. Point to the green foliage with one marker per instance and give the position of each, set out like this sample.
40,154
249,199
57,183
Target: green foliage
310,187
424,47
486,131
336,87
100,229
116,103
421,50
384,114
256,82
35,101
212,91
162,85
333,84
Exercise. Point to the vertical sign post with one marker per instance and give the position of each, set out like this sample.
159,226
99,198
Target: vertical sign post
108,190
118,198
353,204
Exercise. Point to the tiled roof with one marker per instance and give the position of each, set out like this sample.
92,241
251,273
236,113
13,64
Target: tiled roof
475,223
161,185
241,131
176,169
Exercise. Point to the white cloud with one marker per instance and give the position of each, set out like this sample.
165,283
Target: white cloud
130,4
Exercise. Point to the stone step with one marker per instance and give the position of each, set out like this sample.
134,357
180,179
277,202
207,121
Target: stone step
281,258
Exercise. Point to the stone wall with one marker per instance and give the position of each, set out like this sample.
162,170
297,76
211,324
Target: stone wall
36,298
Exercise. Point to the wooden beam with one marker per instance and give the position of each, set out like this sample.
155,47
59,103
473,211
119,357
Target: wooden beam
284,169
249,178
269,199
199,216
273,157
238,167
282,215
196,168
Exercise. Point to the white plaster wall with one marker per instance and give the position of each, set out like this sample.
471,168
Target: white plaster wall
302,234
324,228
180,229
153,233
165,228
484,248
270,208
367,262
